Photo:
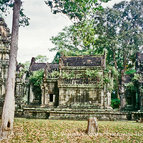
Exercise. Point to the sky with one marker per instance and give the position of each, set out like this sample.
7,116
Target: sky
35,39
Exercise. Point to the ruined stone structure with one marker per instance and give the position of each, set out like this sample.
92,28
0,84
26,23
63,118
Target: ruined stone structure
139,69
4,57
77,82
134,98
21,86
32,69
50,90
75,88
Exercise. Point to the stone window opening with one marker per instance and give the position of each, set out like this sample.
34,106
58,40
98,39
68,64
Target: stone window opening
51,97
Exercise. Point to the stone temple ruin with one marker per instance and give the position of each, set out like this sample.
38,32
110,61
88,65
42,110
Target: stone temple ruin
33,68
4,57
134,99
76,88
68,84
139,69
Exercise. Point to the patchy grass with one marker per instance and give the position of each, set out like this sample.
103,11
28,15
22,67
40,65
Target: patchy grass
63,131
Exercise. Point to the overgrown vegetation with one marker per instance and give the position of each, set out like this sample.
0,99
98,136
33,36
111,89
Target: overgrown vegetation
48,131
115,103
117,29
35,80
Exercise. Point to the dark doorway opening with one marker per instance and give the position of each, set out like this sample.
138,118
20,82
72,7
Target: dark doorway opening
51,97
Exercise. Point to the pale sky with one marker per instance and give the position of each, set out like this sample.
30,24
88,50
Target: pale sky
35,39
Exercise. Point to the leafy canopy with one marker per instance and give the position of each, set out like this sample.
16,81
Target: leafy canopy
75,9
5,5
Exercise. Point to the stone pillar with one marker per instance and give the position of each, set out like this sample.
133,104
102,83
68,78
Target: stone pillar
61,98
102,98
3,89
109,100
0,90
31,95
47,96
43,96
122,101
54,97
105,102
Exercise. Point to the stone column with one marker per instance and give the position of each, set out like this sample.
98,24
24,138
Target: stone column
54,97
102,98
43,96
47,96
3,89
31,95
61,97
122,101
0,90
109,100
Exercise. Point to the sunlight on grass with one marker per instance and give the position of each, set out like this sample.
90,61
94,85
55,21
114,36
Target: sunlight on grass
60,131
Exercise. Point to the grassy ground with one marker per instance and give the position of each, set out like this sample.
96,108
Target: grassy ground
63,131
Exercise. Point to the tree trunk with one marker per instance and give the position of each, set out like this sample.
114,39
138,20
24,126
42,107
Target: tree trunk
122,92
9,104
116,67
92,127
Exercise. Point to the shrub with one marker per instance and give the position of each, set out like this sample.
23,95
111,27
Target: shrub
115,103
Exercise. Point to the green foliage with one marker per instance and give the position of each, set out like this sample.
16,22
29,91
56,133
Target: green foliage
131,86
55,74
92,74
35,80
78,39
136,77
115,103
130,71
56,58
41,59
134,84
5,5
118,30
26,65
74,9
66,75
106,79
113,70
113,29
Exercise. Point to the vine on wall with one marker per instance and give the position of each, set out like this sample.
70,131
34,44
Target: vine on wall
36,80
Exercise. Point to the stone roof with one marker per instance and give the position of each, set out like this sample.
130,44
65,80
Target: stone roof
37,66
82,61
52,67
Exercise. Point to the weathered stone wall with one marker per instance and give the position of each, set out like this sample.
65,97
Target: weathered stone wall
21,89
83,96
83,92
72,114
4,57
50,88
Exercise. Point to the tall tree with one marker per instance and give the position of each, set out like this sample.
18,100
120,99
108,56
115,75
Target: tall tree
9,103
75,9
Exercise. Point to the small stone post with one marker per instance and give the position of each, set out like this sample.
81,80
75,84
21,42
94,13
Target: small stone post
92,127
